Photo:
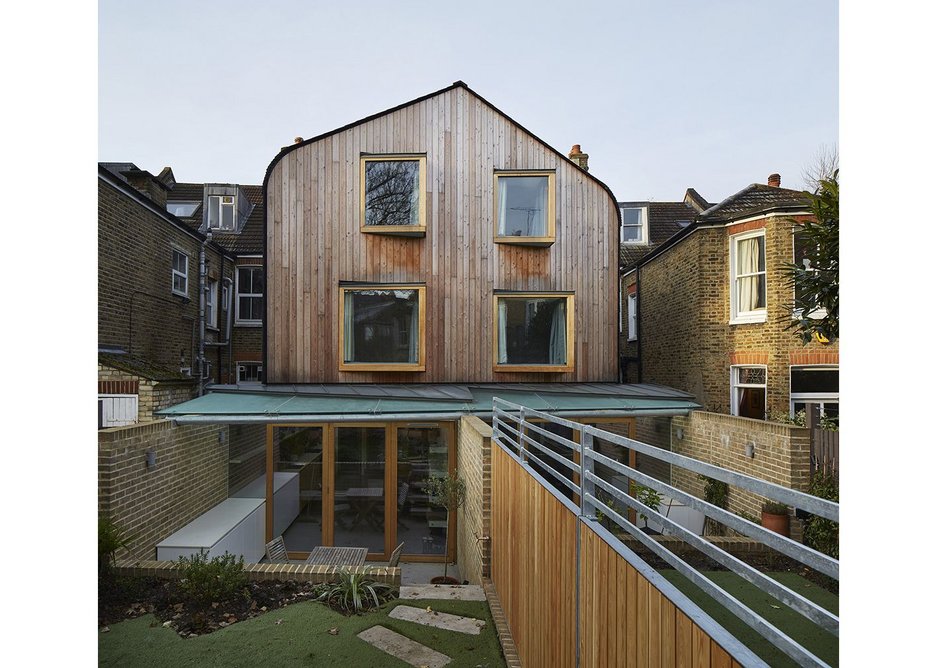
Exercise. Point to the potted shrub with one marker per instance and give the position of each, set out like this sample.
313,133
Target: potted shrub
776,517
650,498
447,491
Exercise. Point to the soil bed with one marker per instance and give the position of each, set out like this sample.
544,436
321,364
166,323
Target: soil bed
126,598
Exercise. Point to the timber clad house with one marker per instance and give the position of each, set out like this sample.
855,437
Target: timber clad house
418,263
152,232
709,309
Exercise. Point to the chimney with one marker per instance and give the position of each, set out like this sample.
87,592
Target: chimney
581,159
146,184
296,140
774,180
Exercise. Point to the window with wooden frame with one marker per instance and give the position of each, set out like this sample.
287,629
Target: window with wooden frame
533,331
748,286
525,207
393,194
382,327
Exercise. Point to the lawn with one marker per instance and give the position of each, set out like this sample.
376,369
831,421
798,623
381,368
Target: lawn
298,635
822,644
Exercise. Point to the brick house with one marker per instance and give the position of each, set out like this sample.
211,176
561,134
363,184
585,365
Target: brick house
713,313
149,327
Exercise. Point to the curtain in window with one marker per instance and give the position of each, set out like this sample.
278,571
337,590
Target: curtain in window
502,332
415,332
502,206
349,342
558,334
538,222
748,258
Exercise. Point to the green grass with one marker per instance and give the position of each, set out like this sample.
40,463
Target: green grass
300,639
822,644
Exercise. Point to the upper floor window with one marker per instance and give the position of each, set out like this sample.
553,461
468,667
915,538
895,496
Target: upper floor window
534,332
524,207
805,256
634,225
222,212
749,387
633,317
748,289
211,304
382,328
393,194
180,273
182,209
250,295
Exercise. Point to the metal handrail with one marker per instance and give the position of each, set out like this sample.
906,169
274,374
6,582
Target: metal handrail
590,504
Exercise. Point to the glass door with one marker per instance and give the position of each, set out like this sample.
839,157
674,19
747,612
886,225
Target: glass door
358,505
297,486
422,453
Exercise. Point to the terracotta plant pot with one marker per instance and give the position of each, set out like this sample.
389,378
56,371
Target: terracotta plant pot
443,580
777,523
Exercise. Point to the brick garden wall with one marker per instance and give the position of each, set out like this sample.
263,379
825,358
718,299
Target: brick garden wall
782,454
474,465
190,477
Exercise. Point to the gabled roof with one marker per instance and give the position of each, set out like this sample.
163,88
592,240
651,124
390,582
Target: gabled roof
250,239
754,199
664,219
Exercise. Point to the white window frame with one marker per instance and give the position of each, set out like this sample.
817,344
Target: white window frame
643,226
798,314
822,398
633,316
735,385
242,366
211,304
222,204
182,275
238,294
118,410
744,317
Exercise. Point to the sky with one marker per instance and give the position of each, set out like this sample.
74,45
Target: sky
662,96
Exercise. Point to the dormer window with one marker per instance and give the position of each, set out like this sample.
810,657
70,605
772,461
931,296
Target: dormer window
182,209
524,207
634,225
222,212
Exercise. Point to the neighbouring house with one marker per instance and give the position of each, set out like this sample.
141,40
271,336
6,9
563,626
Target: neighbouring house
418,263
712,309
158,338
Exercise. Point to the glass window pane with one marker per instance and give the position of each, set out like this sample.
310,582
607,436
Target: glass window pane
297,453
522,206
805,379
213,204
532,331
422,453
381,326
359,487
752,376
391,192
227,217
751,402
629,233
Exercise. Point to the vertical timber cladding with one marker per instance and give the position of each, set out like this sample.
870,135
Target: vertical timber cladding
314,241
533,564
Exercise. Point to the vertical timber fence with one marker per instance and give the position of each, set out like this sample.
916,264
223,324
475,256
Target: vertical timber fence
575,595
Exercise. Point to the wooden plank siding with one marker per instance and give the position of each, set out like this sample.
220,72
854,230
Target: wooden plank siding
314,241
624,619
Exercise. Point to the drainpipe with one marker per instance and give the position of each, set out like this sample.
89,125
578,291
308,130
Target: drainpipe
637,315
202,287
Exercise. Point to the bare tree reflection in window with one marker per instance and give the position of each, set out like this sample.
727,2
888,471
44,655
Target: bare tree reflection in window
392,192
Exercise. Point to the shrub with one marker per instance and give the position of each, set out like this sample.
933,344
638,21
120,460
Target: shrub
111,538
355,592
715,492
649,497
775,508
820,533
205,581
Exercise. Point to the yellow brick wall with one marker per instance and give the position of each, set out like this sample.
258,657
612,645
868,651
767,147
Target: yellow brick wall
474,465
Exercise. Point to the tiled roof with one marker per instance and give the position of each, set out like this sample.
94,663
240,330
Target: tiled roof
664,219
751,200
251,238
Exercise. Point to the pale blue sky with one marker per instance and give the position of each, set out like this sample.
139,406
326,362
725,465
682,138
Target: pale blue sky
662,95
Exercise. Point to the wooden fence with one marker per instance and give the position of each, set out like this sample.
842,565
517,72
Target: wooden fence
619,616
824,444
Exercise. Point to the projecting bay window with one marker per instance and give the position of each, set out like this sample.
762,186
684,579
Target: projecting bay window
524,206
749,286
534,332
393,194
382,327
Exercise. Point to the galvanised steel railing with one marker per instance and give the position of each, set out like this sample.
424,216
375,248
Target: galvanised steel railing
511,428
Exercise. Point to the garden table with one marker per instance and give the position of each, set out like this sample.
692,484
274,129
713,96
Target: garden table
338,556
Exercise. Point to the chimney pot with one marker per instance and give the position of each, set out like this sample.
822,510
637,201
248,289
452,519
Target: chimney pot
774,180
298,140
575,150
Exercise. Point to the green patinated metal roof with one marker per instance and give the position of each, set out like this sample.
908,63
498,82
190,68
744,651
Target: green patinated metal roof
333,403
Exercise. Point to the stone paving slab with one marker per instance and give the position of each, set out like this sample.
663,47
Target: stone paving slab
449,592
439,620
403,648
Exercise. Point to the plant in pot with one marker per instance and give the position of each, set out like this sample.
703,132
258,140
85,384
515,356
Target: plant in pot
650,498
447,491
776,517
